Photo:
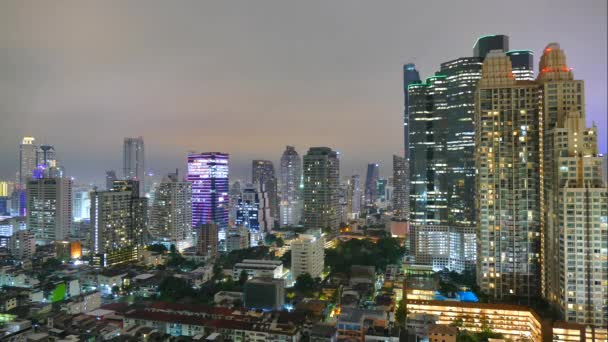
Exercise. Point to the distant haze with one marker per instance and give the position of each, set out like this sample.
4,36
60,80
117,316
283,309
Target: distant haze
249,77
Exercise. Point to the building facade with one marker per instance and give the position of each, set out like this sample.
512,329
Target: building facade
307,254
171,214
291,187
321,189
575,197
401,198
27,160
208,173
508,182
371,183
118,223
264,177
49,208
133,162
208,243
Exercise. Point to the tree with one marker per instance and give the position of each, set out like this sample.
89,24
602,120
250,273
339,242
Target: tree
286,259
243,277
401,314
280,242
218,272
305,284
173,288
157,247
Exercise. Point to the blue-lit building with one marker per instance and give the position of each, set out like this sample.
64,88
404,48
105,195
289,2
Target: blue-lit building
247,212
208,173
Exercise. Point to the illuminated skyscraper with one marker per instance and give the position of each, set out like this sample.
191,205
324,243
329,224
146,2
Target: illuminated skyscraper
118,223
27,159
410,75
371,183
291,192
354,195
575,201
49,208
171,216
248,211
523,64
133,161
208,173
428,151
264,177
321,188
401,198
508,182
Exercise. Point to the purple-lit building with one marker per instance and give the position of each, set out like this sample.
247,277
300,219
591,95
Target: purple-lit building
208,173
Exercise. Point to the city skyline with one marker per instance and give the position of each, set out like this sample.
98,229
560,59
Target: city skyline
57,82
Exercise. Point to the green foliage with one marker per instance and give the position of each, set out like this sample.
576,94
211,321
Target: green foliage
280,242
364,252
305,284
401,314
157,247
286,259
172,289
243,277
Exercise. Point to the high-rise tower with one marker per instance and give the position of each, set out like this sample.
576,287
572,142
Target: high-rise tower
208,173
264,177
171,216
508,182
321,188
49,208
575,197
371,183
27,159
291,191
134,162
401,198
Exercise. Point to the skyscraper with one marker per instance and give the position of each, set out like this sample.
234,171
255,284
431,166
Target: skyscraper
27,159
208,173
49,208
110,178
523,64
248,213
321,188
291,192
490,42
508,182
291,175
401,198
171,216
118,223
371,183
575,197
428,151
133,161
354,194
46,156
410,75
264,177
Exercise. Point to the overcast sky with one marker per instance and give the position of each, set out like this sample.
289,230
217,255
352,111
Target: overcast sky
249,77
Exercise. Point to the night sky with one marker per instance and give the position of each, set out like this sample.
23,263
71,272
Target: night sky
249,77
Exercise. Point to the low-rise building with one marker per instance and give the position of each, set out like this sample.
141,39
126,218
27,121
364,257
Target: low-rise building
227,298
513,321
264,293
258,269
